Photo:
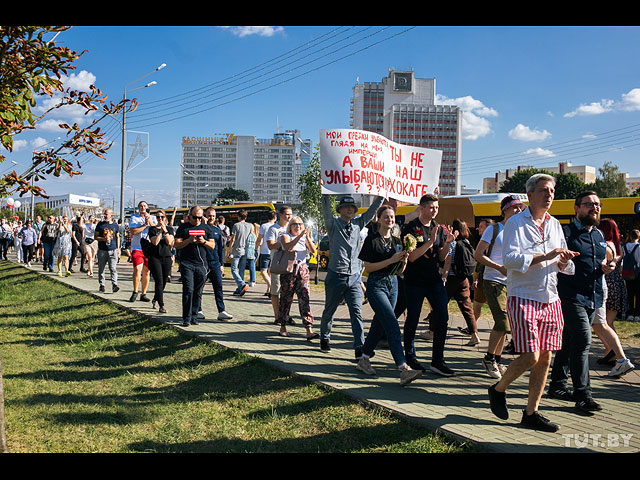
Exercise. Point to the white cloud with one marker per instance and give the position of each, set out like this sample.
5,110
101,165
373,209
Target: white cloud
244,31
474,123
525,134
629,102
540,152
81,82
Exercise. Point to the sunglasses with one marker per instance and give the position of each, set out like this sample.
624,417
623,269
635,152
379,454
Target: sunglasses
297,224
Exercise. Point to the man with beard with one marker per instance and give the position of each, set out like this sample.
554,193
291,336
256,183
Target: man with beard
581,293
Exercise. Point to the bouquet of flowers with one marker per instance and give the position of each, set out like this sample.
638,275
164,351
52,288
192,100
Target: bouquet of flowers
409,245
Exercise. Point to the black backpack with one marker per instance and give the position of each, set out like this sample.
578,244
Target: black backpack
463,262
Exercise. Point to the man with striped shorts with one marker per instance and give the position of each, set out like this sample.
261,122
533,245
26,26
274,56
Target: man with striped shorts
534,251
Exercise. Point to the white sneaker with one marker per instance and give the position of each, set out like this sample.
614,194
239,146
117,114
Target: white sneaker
621,367
252,284
224,316
364,365
492,368
407,375
200,315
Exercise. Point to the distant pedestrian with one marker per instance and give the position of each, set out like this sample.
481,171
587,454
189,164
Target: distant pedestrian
77,243
272,238
251,254
534,251
37,226
631,264
139,224
91,246
239,234
106,235
47,237
62,247
29,239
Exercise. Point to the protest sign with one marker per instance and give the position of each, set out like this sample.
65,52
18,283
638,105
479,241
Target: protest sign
360,162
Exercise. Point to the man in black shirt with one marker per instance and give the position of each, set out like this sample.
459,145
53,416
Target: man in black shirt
423,279
106,235
193,238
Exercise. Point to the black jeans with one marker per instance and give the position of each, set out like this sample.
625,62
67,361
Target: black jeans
574,355
160,269
28,252
215,277
194,276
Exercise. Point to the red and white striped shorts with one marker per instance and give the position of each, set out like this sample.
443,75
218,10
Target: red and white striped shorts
535,326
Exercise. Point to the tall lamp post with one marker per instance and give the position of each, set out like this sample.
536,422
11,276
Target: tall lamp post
122,167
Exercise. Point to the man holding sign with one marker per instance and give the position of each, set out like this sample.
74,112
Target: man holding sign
193,238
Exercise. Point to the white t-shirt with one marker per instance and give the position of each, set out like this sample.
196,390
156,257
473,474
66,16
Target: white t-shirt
273,234
300,248
137,221
264,248
89,230
496,254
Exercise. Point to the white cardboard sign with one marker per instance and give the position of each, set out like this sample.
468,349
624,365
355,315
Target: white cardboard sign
360,162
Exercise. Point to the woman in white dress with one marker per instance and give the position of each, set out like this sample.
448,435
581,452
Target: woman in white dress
62,247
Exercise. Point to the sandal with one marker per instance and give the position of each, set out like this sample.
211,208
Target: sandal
283,333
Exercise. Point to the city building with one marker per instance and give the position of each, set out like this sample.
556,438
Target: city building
267,169
633,183
70,204
586,173
402,108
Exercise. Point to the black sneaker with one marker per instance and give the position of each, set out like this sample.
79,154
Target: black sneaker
415,364
195,322
101,289
561,394
185,323
115,288
538,422
441,369
144,298
588,405
498,403
324,345
133,297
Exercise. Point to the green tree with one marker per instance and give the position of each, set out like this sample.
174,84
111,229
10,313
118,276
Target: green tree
609,182
32,67
230,193
516,183
568,185
311,192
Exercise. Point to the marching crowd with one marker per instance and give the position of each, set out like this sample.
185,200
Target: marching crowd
546,285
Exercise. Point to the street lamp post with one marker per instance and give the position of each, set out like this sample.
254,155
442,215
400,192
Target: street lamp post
122,166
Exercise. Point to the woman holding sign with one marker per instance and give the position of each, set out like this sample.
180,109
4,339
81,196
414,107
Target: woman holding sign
384,258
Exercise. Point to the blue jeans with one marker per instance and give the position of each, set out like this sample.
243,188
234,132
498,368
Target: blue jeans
574,355
238,264
251,266
382,293
436,294
194,276
337,287
48,256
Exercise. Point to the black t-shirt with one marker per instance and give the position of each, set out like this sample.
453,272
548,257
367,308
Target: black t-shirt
162,249
194,252
377,249
77,232
426,269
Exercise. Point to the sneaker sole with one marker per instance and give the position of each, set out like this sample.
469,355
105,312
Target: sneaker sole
440,372
407,381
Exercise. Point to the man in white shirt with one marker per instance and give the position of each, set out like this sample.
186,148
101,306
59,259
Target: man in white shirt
534,251
494,284
139,227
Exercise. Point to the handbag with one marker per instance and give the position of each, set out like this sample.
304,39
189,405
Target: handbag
282,262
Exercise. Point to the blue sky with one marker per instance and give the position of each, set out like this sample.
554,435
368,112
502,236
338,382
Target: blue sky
530,95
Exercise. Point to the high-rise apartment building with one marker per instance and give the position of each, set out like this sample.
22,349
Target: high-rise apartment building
402,108
267,169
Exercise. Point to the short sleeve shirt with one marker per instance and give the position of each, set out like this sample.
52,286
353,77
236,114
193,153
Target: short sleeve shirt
377,249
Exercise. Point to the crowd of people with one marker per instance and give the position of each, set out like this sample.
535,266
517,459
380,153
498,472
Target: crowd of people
546,285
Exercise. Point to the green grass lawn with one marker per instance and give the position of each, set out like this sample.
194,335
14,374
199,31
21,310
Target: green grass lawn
84,375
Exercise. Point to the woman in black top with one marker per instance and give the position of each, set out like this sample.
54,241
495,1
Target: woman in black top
384,258
160,261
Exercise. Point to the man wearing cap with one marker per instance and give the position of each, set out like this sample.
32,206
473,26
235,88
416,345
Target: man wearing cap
494,284
343,272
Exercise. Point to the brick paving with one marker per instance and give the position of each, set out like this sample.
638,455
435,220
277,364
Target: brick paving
457,406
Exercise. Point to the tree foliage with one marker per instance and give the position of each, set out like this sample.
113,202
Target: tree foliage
568,185
230,193
609,183
32,67
311,192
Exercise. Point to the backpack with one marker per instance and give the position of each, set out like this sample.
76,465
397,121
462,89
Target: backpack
463,262
629,264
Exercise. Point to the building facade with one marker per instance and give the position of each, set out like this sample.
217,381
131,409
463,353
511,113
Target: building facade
267,169
402,108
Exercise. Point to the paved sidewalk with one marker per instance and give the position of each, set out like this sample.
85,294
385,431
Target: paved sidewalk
457,406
